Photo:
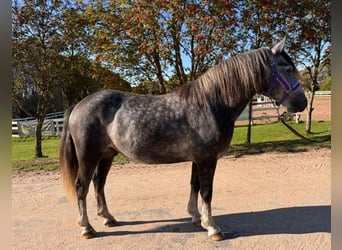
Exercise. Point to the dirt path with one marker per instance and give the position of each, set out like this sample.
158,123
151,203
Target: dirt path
272,201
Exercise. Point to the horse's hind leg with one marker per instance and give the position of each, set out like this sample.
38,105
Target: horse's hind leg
99,180
84,175
193,201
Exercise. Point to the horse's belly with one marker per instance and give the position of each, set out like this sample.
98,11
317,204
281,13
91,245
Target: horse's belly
155,153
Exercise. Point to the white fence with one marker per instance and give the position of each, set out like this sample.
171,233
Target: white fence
53,125
261,110
323,93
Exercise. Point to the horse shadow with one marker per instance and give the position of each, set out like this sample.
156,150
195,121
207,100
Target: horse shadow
290,220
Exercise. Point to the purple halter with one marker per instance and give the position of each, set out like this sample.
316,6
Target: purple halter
277,77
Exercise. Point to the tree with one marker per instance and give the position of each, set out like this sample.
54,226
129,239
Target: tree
82,75
36,50
308,24
151,40
76,80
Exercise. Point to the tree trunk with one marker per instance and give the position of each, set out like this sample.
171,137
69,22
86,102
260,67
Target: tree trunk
159,73
310,109
40,114
38,149
178,58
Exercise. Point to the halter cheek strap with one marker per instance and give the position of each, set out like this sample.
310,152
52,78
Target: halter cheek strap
278,77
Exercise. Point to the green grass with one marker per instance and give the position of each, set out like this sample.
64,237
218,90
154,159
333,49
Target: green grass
274,137
274,132
23,148
23,154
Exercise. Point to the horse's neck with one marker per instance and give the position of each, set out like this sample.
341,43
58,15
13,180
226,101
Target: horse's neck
237,105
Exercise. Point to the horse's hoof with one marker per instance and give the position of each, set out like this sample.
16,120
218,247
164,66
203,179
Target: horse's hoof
88,234
111,223
197,223
217,237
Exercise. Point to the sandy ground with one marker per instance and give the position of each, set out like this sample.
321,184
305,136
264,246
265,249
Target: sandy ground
269,201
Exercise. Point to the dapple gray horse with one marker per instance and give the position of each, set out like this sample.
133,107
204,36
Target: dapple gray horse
193,123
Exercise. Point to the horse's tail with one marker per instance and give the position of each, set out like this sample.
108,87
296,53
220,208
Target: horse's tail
67,158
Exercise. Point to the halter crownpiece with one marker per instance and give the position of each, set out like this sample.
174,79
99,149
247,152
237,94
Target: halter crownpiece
278,77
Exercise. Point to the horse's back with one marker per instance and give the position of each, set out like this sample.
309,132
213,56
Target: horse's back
102,105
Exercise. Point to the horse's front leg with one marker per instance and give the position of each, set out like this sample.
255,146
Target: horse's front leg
193,201
206,176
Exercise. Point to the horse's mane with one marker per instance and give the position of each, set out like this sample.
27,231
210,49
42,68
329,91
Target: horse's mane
231,81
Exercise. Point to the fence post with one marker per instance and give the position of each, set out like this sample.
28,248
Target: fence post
250,121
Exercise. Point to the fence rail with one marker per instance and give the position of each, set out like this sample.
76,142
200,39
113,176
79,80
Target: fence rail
261,110
52,125
323,93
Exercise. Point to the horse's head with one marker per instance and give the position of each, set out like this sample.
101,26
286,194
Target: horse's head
284,87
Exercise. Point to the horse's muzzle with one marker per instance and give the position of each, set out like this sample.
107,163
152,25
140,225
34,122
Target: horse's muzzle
297,103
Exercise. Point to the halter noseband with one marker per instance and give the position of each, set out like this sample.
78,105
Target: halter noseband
278,77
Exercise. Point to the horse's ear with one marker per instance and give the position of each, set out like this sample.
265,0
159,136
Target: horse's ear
279,47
